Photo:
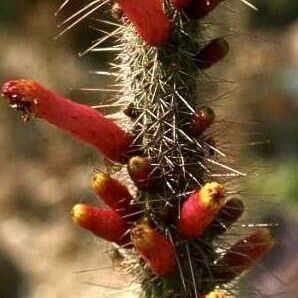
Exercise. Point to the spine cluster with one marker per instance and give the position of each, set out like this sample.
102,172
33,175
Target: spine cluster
170,217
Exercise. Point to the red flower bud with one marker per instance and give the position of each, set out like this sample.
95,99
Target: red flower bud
243,254
200,8
155,249
227,215
149,20
180,3
200,209
104,223
139,170
114,194
81,121
212,53
201,120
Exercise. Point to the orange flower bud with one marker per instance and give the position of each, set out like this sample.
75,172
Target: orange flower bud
149,20
139,170
81,121
114,194
201,120
227,215
212,53
200,209
180,3
104,223
243,254
200,8
155,249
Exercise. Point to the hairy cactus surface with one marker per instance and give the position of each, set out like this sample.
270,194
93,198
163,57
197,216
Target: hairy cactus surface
173,214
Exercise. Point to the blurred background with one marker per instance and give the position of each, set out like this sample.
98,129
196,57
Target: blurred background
43,173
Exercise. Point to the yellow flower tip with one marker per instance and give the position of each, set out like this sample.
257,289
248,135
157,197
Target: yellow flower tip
142,235
212,194
138,164
98,181
78,213
217,294
267,237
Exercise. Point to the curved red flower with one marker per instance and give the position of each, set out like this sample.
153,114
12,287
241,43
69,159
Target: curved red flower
81,121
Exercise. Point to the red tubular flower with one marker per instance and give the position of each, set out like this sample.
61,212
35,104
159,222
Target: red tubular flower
114,194
149,20
200,8
200,209
81,121
244,254
180,3
155,249
139,170
104,223
201,120
227,215
212,53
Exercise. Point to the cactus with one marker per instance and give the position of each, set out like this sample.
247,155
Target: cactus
171,214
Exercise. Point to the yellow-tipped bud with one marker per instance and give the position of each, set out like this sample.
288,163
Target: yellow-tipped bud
114,194
200,209
139,170
104,223
212,195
